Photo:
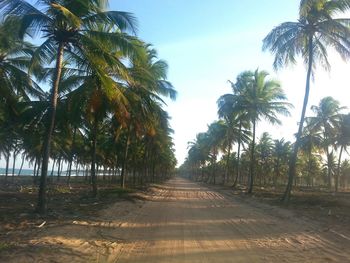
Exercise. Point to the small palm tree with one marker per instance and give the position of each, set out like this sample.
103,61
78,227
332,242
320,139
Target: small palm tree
309,37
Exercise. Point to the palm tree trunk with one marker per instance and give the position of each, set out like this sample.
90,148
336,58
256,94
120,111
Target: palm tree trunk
134,176
34,170
227,167
123,172
227,162
329,169
309,171
293,158
252,161
38,168
71,155
277,173
7,164
238,155
153,170
20,169
42,196
59,168
338,169
93,158
37,171
53,166
14,163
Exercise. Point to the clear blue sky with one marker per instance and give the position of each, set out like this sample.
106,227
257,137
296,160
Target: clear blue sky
207,42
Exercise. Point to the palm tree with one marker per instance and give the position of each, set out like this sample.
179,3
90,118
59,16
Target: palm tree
342,140
345,172
237,121
310,141
315,30
327,122
67,28
261,99
198,154
216,141
264,150
148,83
280,155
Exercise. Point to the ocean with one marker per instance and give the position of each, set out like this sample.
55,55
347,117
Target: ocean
29,172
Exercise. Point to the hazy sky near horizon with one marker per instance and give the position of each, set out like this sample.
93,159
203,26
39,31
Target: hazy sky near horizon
206,43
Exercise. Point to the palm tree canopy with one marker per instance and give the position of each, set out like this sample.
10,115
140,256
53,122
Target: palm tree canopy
77,25
263,98
327,117
342,138
316,22
15,57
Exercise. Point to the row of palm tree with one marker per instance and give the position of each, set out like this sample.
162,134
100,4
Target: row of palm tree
104,107
318,27
326,136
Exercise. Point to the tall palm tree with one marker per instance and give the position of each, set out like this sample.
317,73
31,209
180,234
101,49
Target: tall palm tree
261,98
198,153
67,28
309,38
236,119
148,83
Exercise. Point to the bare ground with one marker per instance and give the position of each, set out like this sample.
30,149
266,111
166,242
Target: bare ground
182,221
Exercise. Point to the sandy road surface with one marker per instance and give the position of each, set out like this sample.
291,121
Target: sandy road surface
187,222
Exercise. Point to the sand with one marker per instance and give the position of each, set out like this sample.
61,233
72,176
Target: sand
182,221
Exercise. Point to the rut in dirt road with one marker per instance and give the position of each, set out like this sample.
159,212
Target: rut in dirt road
187,222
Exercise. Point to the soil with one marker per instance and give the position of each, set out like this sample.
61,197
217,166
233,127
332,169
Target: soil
178,221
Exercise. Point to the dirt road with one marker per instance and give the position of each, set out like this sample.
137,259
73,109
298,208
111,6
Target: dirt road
186,222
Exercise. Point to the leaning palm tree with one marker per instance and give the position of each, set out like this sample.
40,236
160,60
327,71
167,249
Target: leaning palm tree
261,98
309,37
68,27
